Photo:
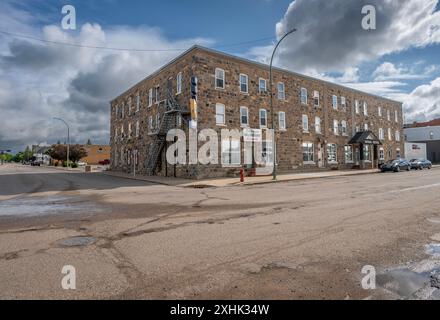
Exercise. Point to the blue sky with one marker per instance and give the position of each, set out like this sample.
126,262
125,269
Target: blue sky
400,60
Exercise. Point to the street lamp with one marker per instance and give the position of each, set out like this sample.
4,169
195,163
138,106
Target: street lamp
68,138
274,151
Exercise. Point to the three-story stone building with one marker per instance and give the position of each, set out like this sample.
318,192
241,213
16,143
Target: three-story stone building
318,125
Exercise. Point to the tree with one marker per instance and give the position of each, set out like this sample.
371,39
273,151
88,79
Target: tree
28,153
89,142
59,152
76,153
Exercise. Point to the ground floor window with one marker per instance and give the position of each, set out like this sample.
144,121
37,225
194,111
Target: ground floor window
398,154
348,150
332,152
381,154
367,154
231,155
308,152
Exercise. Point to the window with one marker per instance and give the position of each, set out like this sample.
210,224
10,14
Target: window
381,134
381,154
129,106
244,83
367,154
332,153
150,97
308,152
389,134
388,115
318,125
150,124
356,105
116,134
138,102
157,94
219,78
358,129
116,111
158,122
398,154
231,155
262,85
305,123
398,136
129,130
336,127
282,120
348,153
137,129
263,118
335,102
281,91
344,128
303,96
343,103
365,109
179,83
220,114
379,111
316,98
122,132
366,128
396,117
244,116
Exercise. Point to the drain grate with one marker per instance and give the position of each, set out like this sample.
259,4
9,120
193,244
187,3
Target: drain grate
76,241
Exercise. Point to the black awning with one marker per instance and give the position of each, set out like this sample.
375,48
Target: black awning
365,137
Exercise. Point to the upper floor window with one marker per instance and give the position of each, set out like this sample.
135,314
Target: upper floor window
244,83
335,102
365,109
220,114
219,78
129,106
137,129
157,94
316,98
332,153
343,103
388,115
303,96
336,127
262,85
356,105
138,102
397,135
116,111
305,123
344,128
123,111
381,134
379,111
244,116
282,120
179,83
318,125
150,97
396,116
263,118
281,91
366,128
390,136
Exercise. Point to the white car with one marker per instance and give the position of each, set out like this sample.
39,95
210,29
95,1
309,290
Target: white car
81,164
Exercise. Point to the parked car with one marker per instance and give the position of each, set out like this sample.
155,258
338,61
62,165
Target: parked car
420,164
36,163
396,165
82,164
106,162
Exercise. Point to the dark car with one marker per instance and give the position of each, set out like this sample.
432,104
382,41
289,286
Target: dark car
396,165
420,164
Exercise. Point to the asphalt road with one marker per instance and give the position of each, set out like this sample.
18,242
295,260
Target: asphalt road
291,240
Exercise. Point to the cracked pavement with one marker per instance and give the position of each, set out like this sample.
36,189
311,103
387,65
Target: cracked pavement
291,240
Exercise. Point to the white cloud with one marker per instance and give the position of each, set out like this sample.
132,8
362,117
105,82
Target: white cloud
389,71
423,103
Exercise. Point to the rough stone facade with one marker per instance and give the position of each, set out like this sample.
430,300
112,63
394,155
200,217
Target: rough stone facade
202,63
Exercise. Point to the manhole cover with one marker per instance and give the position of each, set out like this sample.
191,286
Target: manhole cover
76,241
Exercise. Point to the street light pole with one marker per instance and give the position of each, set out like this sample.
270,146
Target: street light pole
68,139
274,151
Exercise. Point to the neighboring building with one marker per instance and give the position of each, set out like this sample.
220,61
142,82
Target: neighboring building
415,150
96,154
39,152
319,125
426,132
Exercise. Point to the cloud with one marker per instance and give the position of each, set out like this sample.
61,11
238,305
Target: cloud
388,71
423,103
39,81
330,37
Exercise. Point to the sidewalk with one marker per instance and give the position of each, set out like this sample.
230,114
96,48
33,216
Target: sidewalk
225,182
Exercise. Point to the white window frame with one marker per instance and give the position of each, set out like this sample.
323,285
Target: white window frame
156,94
396,116
367,148
357,106
343,103
303,96
218,114
150,97
388,115
281,91
179,83
318,127
282,121
381,134
390,136
246,109
305,123
398,153
344,128
335,102
397,135
333,153
244,83
261,118
336,127
262,80
138,102
316,98
150,124
348,160
308,151
365,109
137,132
228,151
379,111
366,127
381,154
219,77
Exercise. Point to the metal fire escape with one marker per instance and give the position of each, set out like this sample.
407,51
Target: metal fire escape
168,122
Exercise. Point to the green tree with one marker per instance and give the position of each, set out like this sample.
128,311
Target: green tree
89,142
59,152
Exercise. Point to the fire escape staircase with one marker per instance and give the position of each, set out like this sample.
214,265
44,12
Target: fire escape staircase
168,122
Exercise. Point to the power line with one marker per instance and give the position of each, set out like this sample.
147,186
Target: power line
71,44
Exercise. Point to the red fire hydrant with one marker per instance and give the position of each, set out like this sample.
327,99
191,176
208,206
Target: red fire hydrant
242,175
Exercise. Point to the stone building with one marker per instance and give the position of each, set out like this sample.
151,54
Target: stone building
318,125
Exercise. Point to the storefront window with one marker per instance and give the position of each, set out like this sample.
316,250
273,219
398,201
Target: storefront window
308,152
348,154
332,153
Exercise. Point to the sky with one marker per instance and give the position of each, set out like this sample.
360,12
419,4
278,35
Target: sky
40,80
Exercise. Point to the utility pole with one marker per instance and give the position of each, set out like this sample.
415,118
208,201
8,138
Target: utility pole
68,140
274,151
